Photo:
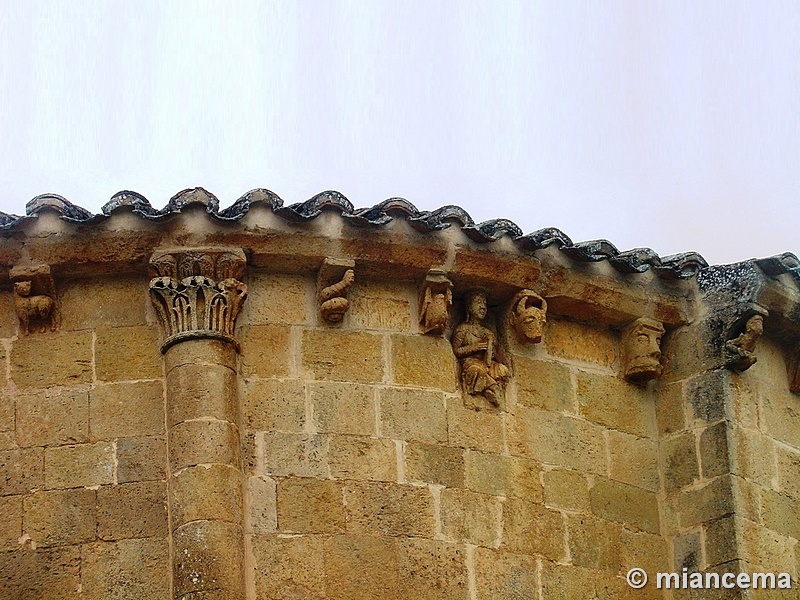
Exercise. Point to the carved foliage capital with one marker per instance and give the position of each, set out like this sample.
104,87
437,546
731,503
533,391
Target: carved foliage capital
198,293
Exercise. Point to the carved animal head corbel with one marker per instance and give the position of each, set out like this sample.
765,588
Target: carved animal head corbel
528,316
35,300
436,298
335,276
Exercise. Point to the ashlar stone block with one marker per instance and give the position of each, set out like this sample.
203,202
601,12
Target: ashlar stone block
388,509
82,465
310,506
53,416
52,359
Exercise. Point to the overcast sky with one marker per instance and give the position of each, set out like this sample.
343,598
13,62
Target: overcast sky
673,125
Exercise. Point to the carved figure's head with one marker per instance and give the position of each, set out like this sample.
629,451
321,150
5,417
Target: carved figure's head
22,288
530,316
641,350
476,304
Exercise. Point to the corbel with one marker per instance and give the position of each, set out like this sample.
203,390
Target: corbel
436,298
334,278
35,299
742,337
527,316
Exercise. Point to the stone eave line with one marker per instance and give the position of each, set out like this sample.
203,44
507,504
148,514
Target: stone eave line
638,260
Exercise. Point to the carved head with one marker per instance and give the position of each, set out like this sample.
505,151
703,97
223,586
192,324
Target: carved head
641,350
476,304
529,316
22,288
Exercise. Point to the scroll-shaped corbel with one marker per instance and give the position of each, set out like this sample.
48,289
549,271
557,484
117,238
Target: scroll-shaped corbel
436,298
740,352
34,297
335,276
527,315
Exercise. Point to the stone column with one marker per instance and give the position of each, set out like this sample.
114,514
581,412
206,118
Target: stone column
197,295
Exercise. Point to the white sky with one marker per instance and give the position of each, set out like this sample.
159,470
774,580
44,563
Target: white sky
673,125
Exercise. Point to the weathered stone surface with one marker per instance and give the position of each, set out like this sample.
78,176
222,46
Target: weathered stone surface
712,501
200,352
714,452
21,471
679,461
265,350
752,456
532,529
125,570
59,517
41,573
359,567
780,415
52,359
388,509
470,517
380,305
506,575
210,492
362,458
124,353
132,510
616,404
566,489
296,455
209,555
203,442
544,384
424,361
115,302
577,341
707,394
198,391
781,513
644,550
7,410
431,570
126,410
409,414
504,476
568,582
141,459
670,413
53,416
788,466
481,430
625,504
432,463
557,440
343,355
634,460
594,543
9,324
274,405
276,298
10,522
688,549
290,568
347,408
79,466
262,505
310,506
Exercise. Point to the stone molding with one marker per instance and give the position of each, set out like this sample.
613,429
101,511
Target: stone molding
197,293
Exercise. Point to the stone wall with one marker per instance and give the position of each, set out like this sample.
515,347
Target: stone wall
304,458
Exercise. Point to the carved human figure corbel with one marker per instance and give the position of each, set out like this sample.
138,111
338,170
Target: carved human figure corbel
740,351
334,278
34,298
436,298
528,315
641,350
485,368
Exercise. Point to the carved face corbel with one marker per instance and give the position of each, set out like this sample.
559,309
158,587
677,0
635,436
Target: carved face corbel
334,278
528,316
436,298
641,350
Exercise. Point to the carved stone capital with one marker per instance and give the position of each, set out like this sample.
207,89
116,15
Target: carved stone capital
197,293
335,276
435,300
34,297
